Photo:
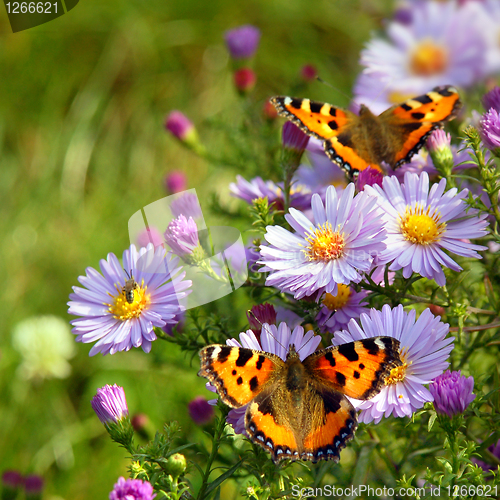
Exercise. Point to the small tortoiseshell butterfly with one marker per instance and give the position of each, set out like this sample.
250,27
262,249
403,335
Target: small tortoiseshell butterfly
298,409
357,142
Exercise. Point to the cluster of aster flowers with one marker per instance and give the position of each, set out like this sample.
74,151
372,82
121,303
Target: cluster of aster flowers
337,247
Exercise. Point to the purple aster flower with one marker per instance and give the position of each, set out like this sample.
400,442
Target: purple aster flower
347,231
368,177
308,72
179,125
452,393
422,223
149,235
242,42
275,340
293,138
492,99
182,236
109,317
300,196
132,489
110,404
175,182
438,140
489,128
339,309
424,350
200,410
441,43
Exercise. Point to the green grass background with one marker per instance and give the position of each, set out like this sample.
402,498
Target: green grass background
82,147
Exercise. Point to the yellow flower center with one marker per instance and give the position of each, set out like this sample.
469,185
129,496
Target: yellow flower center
399,97
398,373
325,244
123,310
336,302
419,227
428,58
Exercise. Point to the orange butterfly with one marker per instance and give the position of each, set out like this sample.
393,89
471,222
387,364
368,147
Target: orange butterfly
357,142
298,409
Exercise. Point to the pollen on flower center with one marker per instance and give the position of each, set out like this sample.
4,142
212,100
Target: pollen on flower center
428,58
335,302
398,373
325,244
419,227
122,310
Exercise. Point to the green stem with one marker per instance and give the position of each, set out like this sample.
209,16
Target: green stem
215,448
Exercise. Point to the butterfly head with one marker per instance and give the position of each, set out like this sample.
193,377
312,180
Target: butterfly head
292,353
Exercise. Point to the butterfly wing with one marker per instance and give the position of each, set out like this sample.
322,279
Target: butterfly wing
333,422
270,425
238,374
409,124
357,369
343,132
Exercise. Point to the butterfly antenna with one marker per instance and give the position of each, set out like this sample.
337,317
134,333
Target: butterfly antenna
267,330
328,84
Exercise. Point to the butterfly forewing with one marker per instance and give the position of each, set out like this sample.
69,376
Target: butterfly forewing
357,369
322,120
238,374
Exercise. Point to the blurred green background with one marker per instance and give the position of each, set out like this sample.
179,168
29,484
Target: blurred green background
83,147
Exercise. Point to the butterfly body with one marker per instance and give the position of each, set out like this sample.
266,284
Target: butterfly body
356,142
298,409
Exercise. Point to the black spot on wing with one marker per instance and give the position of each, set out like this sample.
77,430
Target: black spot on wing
224,354
406,107
244,356
348,351
361,366
417,115
239,380
332,402
234,372
296,103
315,107
346,140
424,99
260,362
333,125
333,111
341,380
444,90
370,346
330,358
254,383
356,374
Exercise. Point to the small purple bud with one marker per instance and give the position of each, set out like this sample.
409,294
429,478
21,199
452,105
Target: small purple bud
182,236
293,138
492,99
260,314
242,42
33,487
175,182
489,128
438,141
110,404
369,177
179,125
200,410
132,489
452,393
149,235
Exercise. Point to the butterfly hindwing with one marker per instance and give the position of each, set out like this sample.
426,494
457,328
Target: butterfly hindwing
356,369
239,374
333,424
269,426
